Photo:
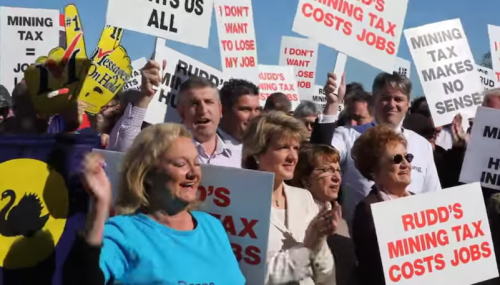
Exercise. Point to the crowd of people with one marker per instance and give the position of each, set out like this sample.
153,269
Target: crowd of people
329,168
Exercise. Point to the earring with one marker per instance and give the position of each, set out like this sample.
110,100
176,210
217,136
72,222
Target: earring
256,160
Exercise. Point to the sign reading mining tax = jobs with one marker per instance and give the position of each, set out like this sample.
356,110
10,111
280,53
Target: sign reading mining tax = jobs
185,21
447,70
25,34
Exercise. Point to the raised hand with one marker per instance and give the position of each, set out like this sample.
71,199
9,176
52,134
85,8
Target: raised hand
331,87
96,181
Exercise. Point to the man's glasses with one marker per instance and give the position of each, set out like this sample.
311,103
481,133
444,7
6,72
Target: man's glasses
329,170
398,158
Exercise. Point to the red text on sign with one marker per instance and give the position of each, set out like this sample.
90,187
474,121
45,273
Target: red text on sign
299,52
349,8
250,254
382,25
271,76
417,243
431,217
234,11
297,62
246,61
376,41
471,253
238,45
304,84
220,195
327,18
290,96
465,232
236,28
246,226
305,74
418,267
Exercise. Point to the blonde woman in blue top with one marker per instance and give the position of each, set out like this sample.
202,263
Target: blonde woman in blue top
156,237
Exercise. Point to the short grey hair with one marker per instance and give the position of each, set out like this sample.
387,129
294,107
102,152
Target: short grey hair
394,80
197,82
495,92
306,109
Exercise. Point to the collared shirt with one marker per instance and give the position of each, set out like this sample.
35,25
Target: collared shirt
222,156
424,177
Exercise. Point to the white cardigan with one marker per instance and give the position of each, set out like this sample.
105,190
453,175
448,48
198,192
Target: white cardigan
288,261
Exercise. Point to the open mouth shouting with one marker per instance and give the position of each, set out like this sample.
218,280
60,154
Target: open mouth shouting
202,122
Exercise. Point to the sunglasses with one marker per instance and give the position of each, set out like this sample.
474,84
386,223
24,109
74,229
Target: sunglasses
398,158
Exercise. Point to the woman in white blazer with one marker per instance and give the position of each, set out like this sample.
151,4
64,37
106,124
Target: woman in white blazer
297,250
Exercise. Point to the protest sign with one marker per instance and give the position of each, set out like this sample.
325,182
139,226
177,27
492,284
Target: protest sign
186,22
481,162
339,69
369,31
302,54
494,34
240,199
435,238
488,77
179,68
319,98
135,81
402,67
275,78
446,69
237,44
25,35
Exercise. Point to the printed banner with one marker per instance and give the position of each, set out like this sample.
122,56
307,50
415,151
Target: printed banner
241,199
25,35
402,67
494,34
179,68
135,81
237,43
275,78
481,161
488,77
446,69
43,205
436,238
182,21
369,31
302,54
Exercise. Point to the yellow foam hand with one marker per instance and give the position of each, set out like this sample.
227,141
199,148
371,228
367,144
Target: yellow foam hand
110,70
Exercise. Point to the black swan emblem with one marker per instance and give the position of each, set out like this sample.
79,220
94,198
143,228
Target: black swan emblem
24,218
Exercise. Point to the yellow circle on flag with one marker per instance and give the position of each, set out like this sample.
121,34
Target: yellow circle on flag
33,212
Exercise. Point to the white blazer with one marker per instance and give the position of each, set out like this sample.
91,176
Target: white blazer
288,261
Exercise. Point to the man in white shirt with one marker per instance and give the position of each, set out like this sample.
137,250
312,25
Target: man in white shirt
392,97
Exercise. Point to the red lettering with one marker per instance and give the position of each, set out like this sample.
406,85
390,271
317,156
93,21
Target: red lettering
248,228
305,74
228,224
271,76
301,52
247,61
418,267
470,253
326,18
236,11
304,84
236,28
457,208
242,45
251,254
408,222
222,198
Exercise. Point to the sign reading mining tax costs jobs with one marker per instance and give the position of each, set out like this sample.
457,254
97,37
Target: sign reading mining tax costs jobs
482,158
185,21
163,106
446,69
237,45
25,35
368,30
436,238
275,78
302,54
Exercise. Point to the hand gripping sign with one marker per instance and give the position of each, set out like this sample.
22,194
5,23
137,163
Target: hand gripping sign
61,72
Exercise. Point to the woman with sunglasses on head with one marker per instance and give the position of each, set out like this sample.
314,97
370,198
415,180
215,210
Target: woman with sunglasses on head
380,155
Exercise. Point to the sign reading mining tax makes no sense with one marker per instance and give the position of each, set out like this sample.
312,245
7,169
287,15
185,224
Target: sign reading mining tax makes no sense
25,35
369,31
446,69
185,21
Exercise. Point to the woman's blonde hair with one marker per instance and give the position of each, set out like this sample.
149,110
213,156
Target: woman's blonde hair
142,157
264,128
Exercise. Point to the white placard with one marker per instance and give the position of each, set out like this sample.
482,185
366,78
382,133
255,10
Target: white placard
494,34
402,67
25,35
182,21
368,32
238,48
319,98
436,238
275,78
179,67
135,81
446,69
488,77
243,207
339,69
302,54
482,157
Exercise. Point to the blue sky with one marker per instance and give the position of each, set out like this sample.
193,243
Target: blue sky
274,18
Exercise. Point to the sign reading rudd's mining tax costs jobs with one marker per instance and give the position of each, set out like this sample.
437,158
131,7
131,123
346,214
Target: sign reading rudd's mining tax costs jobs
185,21
238,48
436,238
25,35
275,78
368,30
446,69
482,158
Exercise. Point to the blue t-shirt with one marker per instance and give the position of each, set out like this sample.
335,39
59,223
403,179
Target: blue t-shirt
138,250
